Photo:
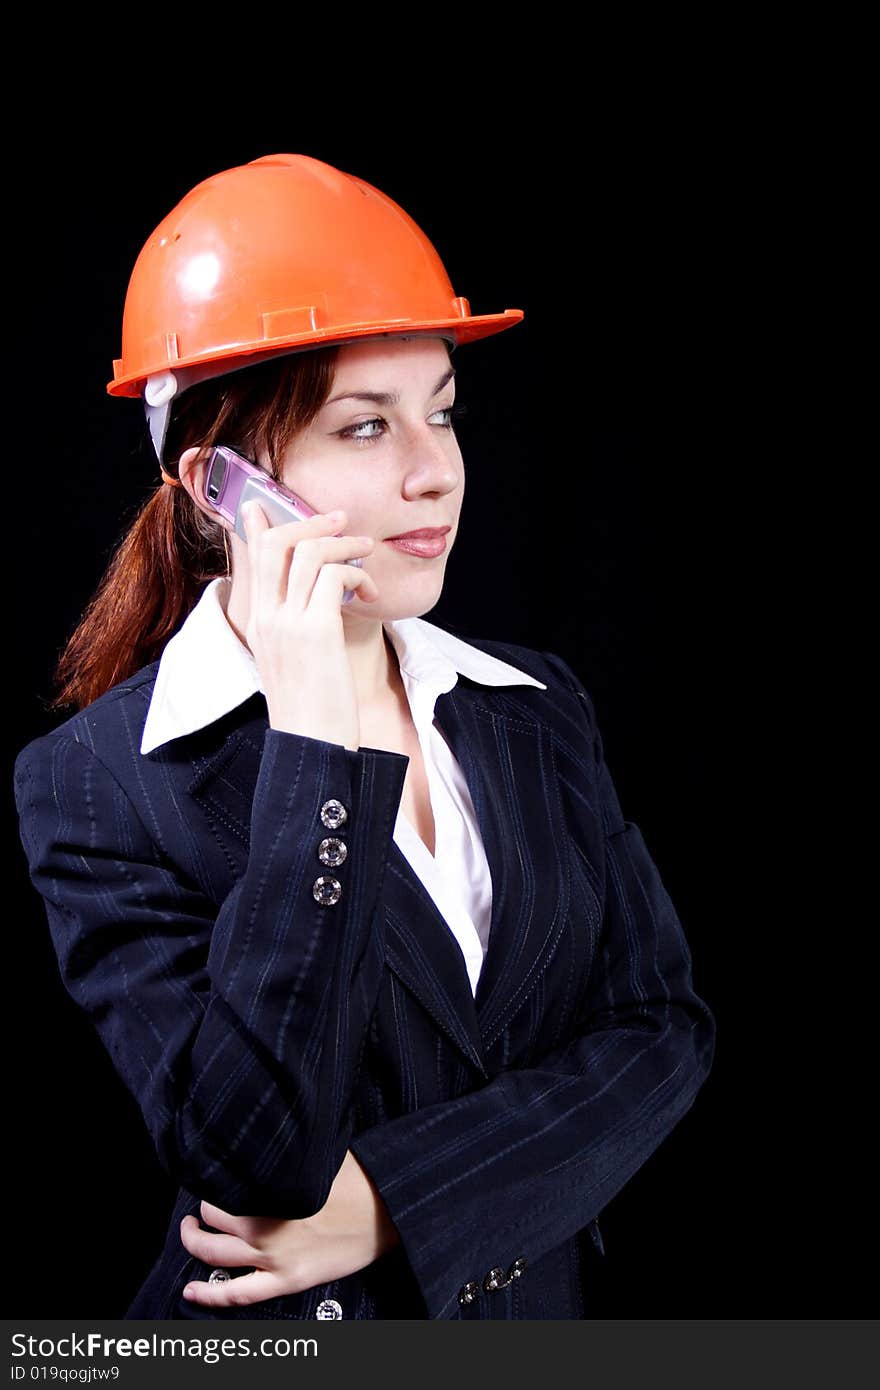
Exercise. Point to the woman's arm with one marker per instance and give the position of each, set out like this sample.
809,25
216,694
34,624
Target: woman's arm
515,1168
238,1031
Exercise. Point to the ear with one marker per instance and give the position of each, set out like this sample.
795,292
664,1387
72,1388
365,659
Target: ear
191,470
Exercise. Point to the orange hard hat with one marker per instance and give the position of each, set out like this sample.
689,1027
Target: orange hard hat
271,257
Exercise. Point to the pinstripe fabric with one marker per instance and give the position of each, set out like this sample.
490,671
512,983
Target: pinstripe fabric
206,671
263,1034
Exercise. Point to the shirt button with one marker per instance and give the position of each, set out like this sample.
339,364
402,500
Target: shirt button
469,1292
326,891
333,852
328,1311
333,814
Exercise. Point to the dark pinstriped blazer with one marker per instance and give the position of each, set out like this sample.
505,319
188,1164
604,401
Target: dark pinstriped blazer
263,1033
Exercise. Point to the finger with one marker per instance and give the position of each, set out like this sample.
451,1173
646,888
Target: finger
234,1293
332,582
218,1249
286,533
273,550
313,555
320,523
225,1220
255,523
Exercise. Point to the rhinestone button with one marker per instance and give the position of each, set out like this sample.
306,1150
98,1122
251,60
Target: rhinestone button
333,814
326,891
516,1268
495,1279
328,1311
469,1292
333,851
219,1276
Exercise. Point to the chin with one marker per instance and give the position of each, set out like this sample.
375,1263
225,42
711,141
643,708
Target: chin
415,602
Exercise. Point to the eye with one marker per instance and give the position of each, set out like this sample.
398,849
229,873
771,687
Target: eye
452,413
354,431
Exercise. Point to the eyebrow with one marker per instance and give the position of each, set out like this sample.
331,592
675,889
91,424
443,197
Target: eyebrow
388,397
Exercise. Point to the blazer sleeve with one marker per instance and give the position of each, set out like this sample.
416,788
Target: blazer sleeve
509,1171
238,1031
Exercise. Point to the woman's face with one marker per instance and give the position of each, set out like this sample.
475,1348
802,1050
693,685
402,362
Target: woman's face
393,464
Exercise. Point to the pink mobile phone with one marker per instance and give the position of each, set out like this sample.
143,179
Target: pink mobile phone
231,480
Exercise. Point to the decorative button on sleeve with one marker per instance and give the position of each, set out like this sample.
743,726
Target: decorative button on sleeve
326,891
497,1279
333,814
332,851
469,1292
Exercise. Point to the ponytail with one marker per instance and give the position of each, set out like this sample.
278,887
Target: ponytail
158,570
150,586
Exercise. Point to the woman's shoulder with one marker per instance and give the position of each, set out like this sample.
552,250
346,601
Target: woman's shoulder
552,693
114,719
546,666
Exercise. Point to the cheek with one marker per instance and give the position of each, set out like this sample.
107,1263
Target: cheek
327,489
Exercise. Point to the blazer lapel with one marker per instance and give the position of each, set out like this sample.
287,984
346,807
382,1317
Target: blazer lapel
423,953
508,763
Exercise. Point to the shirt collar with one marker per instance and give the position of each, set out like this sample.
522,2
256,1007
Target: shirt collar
206,670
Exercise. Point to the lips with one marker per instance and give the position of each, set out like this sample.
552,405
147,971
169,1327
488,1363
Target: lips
427,533
426,547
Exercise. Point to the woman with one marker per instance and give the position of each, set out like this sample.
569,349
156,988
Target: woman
350,899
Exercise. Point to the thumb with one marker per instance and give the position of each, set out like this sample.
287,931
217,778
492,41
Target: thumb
239,1291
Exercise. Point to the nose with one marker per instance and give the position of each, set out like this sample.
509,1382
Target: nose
432,460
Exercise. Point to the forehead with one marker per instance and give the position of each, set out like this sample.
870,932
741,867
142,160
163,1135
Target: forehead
401,356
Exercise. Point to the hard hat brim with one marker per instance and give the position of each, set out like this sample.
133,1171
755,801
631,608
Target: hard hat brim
459,330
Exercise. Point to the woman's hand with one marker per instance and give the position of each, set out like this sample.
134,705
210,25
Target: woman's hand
297,575
351,1230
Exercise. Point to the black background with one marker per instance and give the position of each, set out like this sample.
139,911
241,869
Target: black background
612,448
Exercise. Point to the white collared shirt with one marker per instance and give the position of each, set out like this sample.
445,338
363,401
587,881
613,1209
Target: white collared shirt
206,671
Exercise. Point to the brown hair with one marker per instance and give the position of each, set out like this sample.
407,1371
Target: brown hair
156,574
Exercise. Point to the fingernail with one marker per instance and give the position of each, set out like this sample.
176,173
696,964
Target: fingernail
188,1291
335,516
